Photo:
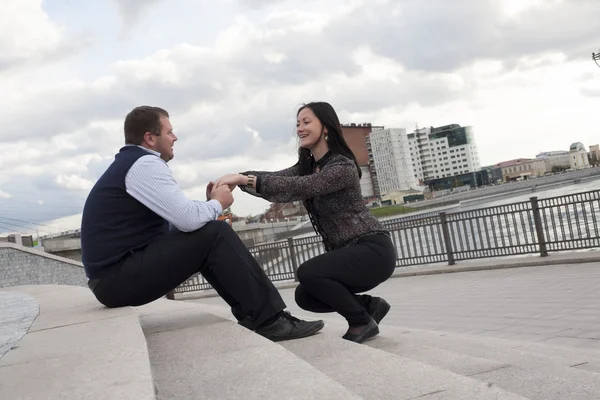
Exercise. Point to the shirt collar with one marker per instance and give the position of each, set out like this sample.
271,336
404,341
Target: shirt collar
323,160
156,153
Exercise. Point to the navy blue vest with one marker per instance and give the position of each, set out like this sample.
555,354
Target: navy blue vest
113,222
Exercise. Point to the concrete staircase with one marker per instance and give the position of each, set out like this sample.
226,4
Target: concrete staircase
410,363
77,349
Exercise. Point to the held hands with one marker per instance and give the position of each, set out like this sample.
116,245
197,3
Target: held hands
209,189
220,193
221,188
232,180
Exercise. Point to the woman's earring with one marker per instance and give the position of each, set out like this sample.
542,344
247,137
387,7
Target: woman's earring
326,137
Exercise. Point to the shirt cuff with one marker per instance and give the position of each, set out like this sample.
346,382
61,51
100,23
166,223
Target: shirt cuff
217,206
257,184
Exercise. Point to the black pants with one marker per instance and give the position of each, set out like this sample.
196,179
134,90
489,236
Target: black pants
215,251
329,282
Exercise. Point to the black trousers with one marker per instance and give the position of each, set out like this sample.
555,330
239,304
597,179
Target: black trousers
215,251
329,282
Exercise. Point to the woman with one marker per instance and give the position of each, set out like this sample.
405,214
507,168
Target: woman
359,252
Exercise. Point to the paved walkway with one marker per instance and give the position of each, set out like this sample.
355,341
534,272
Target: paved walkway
17,313
553,304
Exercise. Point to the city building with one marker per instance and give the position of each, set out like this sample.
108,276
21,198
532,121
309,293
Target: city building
494,173
555,160
356,136
579,156
284,211
390,155
457,182
594,154
251,234
442,152
522,168
401,197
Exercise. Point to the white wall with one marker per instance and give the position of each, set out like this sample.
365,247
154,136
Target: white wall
366,183
391,156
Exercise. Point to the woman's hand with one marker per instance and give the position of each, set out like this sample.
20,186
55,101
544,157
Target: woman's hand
232,180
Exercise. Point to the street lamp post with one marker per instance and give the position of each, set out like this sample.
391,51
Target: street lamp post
273,226
596,58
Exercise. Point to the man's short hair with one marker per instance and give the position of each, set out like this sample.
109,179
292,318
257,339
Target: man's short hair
143,119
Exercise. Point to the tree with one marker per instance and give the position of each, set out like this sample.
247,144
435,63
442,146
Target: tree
559,168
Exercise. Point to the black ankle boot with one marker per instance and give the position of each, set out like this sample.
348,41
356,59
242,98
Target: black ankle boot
378,308
368,332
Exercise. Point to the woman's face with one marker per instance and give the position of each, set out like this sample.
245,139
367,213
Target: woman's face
308,128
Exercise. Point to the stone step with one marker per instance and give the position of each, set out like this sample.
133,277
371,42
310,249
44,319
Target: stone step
376,374
345,362
568,356
197,355
576,357
537,374
532,375
535,353
571,355
77,349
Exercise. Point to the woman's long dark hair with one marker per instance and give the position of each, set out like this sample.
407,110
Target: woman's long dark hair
335,139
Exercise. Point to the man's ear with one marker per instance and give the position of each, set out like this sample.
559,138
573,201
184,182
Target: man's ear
149,139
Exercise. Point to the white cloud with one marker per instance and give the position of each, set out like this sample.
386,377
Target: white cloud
27,31
30,36
74,182
133,10
4,195
499,66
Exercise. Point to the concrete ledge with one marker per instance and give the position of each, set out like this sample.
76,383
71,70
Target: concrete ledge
76,349
573,257
40,253
21,265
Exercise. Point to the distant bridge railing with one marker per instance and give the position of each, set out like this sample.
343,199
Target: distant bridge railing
537,226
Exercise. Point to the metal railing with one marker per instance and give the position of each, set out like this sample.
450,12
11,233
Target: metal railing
536,226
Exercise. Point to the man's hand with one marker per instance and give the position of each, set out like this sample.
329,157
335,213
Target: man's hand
223,195
232,180
209,189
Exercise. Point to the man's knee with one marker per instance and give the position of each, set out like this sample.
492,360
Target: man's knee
217,226
213,228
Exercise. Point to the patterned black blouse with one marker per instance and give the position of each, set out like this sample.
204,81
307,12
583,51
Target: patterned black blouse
331,195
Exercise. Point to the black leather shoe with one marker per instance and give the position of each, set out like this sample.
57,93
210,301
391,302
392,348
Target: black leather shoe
378,309
368,332
288,327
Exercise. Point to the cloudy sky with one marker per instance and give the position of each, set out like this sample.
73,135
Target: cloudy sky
233,72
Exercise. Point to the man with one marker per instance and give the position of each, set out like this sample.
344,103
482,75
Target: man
130,255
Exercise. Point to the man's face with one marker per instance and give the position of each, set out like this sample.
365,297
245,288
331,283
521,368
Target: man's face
164,142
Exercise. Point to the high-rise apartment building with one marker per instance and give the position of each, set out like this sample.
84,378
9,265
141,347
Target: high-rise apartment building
445,151
356,137
389,154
